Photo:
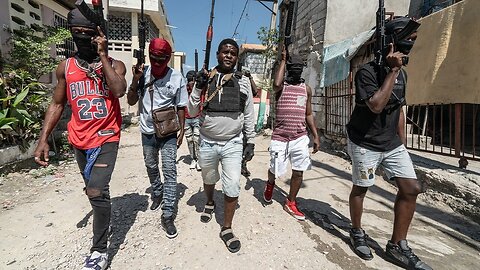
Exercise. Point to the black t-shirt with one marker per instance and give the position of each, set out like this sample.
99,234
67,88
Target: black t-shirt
373,131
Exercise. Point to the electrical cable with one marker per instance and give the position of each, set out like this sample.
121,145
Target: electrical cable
240,19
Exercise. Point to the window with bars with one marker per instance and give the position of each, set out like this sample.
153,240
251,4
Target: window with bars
151,29
120,26
67,48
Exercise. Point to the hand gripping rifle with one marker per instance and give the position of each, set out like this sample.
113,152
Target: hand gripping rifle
140,53
209,38
96,15
381,48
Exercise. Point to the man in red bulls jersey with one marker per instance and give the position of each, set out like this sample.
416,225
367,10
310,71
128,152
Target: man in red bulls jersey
289,138
91,82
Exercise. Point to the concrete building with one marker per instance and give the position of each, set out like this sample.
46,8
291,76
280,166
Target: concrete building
319,24
251,58
123,18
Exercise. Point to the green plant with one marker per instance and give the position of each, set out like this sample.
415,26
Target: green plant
31,50
23,101
270,39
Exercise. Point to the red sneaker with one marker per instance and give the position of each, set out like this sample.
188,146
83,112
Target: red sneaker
268,193
291,208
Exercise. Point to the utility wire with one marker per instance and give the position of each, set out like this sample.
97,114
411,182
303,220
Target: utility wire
240,19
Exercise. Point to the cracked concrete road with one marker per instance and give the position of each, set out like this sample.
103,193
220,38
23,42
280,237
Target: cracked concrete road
48,224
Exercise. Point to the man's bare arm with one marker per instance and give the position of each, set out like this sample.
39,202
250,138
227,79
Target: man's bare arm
401,127
311,121
114,74
380,99
52,116
279,76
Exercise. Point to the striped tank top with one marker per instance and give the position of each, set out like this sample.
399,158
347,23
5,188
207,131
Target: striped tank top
290,123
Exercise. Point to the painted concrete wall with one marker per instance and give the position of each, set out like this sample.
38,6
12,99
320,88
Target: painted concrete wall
309,30
346,18
153,8
320,23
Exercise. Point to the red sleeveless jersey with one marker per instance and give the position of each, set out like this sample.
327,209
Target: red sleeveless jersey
96,117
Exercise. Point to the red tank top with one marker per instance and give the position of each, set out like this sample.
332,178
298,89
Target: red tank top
290,123
96,117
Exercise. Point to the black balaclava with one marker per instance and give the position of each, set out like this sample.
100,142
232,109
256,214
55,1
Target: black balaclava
190,75
294,70
391,29
85,48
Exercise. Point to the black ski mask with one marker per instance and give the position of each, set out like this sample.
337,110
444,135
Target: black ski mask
398,30
83,40
294,70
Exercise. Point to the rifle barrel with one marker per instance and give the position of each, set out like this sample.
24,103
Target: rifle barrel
209,37
196,60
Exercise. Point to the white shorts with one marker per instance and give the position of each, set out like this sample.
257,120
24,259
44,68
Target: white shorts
296,151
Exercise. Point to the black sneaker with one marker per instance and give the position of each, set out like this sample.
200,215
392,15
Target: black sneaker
358,240
402,255
157,202
169,227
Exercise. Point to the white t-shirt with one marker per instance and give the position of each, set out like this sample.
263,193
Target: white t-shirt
168,91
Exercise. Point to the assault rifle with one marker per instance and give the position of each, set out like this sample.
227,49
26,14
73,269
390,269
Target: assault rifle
382,40
140,53
209,38
96,15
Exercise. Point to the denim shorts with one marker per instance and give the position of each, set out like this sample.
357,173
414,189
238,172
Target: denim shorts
396,163
230,157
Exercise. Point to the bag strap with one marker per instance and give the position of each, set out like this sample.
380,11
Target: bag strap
150,90
224,81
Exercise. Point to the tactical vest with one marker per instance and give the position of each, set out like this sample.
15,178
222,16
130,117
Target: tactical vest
227,99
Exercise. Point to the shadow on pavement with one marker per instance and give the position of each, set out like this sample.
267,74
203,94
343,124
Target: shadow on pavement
124,214
186,159
199,200
463,226
82,223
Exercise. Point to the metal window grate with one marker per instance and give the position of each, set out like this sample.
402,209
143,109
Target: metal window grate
338,106
120,26
151,29
447,129
255,62
67,48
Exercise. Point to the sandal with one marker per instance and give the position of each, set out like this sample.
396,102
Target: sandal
230,240
206,215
